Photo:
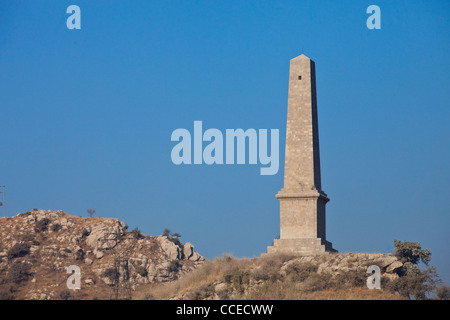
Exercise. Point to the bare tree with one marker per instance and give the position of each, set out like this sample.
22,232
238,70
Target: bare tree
90,212
176,235
166,232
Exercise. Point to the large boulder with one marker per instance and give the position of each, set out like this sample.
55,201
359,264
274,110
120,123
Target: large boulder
386,260
170,249
105,235
190,253
394,266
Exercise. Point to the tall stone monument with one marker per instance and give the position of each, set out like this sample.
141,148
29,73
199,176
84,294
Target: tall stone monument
302,201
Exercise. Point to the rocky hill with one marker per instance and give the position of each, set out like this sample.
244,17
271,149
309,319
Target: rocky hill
283,277
38,246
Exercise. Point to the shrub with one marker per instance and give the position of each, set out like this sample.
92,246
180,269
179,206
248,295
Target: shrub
270,267
154,245
318,282
42,225
238,278
443,292
27,237
56,227
413,282
136,233
297,271
174,266
411,252
79,255
18,272
18,250
7,292
349,279
414,285
225,293
112,274
166,232
202,292
65,294
267,272
35,242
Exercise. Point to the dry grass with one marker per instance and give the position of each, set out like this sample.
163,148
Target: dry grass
47,278
209,272
271,277
359,293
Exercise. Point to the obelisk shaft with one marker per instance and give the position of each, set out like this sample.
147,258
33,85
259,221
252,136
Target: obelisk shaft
302,160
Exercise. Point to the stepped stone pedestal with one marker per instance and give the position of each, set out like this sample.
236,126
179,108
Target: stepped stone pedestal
305,246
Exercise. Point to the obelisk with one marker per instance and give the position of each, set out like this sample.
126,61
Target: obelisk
302,201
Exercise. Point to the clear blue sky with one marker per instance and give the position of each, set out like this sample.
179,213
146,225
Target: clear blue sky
86,115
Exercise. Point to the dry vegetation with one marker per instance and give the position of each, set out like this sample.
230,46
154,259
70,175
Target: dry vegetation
37,246
279,277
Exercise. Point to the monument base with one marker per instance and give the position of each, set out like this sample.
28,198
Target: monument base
301,246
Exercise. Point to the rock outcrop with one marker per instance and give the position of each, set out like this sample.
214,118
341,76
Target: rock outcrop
284,276
45,243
